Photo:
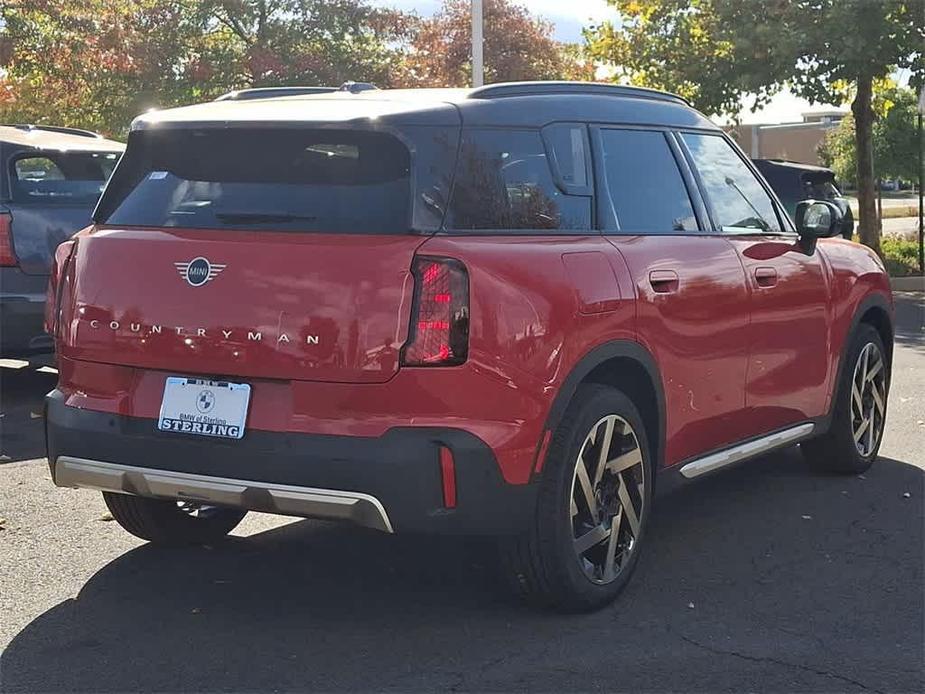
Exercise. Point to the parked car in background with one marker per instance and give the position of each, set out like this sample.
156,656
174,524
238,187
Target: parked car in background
793,182
500,311
50,180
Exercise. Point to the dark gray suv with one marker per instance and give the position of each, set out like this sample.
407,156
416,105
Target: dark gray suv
50,179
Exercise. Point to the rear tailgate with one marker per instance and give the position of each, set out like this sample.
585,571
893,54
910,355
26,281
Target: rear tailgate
266,252
286,306
37,230
52,195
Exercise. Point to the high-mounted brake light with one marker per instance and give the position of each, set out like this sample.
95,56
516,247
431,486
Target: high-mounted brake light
439,334
7,257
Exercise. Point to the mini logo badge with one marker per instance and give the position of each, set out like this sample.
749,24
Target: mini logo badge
198,271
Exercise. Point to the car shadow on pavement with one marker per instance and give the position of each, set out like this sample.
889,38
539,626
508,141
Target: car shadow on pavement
765,578
22,404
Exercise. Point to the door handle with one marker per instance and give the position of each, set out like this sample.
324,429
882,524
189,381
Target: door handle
664,281
765,276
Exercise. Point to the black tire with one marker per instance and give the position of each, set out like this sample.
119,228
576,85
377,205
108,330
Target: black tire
544,565
836,450
164,522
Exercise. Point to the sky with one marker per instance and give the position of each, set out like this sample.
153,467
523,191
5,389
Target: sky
569,16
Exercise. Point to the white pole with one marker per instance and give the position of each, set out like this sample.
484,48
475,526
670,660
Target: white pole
478,70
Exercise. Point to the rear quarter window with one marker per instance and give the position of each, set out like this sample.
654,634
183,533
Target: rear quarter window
504,182
60,177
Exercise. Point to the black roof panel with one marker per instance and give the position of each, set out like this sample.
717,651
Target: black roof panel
506,105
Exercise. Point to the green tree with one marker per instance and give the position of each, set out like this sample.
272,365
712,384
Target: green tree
894,139
716,52
99,63
837,151
313,42
92,64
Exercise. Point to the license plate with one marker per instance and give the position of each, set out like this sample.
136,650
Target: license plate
204,408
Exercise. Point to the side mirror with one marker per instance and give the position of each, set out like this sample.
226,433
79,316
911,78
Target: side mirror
816,219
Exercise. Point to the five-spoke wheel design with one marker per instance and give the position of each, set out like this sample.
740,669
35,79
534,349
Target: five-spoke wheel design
868,398
607,497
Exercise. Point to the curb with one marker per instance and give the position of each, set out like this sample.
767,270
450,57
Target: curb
908,284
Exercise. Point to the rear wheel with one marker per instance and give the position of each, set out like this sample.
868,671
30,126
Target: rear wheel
167,522
853,439
592,508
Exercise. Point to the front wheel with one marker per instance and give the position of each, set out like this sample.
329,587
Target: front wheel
168,522
853,439
592,507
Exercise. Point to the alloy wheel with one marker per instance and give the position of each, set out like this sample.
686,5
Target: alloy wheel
607,497
868,399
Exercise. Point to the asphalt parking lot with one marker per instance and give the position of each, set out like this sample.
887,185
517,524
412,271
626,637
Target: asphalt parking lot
764,578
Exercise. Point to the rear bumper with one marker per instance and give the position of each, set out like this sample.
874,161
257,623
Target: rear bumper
22,328
391,482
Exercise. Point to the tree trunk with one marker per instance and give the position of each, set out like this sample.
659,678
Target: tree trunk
861,107
880,204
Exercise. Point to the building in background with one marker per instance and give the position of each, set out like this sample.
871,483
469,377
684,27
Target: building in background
791,141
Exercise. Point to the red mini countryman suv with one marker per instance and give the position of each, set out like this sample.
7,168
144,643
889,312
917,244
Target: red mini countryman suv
503,311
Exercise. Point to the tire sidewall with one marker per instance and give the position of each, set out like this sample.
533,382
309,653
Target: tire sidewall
842,421
592,404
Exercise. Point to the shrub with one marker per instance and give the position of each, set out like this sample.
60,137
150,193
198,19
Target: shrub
901,255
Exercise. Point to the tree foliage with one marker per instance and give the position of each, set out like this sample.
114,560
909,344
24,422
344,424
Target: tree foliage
894,140
314,42
98,63
715,52
94,63
517,46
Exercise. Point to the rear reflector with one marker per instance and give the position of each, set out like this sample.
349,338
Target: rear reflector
448,473
440,315
7,257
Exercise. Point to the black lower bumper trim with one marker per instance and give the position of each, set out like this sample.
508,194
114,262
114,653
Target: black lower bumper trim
401,468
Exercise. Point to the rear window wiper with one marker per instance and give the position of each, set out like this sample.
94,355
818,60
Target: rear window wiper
261,217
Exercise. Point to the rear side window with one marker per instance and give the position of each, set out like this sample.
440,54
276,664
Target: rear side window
645,184
338,181
504,181
737,198
60,177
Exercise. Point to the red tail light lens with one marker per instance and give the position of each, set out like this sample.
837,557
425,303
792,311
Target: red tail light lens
53,292
7,257
439,334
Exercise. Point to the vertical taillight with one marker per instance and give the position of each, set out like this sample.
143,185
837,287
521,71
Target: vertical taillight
55,281
439,331
7,256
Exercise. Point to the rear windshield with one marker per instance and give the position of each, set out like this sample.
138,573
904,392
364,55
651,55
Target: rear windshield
339,181
60,177
820,187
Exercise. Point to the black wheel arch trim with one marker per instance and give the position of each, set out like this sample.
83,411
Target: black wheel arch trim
870,301
615,349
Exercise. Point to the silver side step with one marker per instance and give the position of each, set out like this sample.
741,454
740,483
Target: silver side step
306,502
714,461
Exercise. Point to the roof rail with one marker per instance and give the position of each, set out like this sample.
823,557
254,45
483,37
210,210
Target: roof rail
272,92
505,89
80,132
